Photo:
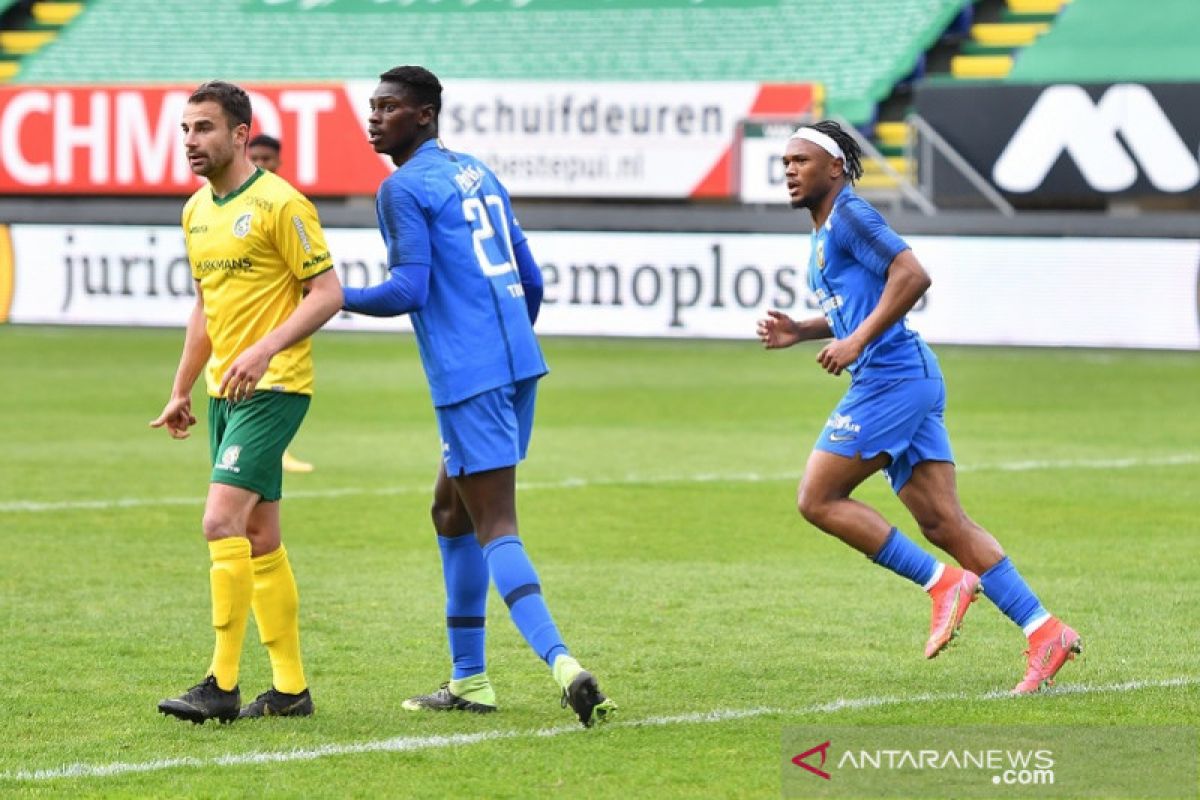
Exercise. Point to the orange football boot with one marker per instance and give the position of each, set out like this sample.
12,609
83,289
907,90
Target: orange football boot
952,596
1050,646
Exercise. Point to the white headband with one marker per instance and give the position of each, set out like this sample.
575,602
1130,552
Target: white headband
822,140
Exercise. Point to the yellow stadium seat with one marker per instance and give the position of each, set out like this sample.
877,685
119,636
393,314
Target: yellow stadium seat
899,163
55,13
8,70
1017,34
1036,6
25,42
981,66
892,134
878,180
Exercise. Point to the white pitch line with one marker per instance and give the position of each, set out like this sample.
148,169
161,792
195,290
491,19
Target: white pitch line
404,744
34,507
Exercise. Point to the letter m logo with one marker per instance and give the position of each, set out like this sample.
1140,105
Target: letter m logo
1065,118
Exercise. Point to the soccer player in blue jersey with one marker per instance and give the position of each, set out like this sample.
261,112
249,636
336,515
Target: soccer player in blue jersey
866,279
461,268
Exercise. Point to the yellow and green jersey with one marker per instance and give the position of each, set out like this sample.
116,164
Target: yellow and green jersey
252,251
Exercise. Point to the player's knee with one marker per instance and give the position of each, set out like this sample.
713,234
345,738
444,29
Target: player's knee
812,506
219,526
944,528
448,520
437,514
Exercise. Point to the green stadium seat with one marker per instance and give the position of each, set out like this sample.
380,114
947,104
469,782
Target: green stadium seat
1107,40
858,57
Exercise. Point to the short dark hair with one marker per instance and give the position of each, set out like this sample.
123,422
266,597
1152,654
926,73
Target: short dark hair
232,99
850,148
421,84
266,140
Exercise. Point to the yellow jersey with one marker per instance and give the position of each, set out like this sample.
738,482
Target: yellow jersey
252,251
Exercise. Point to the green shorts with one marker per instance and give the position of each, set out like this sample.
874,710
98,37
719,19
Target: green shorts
246,440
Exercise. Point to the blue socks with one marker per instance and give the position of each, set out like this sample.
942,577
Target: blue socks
1005,587
903,557
466,577
1002,584
517,583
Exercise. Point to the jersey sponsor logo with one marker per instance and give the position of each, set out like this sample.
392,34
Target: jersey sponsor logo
842,428
224,265
828,303
468,179
192,231
298,224
316,261
229,458
241,225
820,254
1064,119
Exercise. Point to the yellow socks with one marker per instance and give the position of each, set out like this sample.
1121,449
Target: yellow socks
232,584
277,612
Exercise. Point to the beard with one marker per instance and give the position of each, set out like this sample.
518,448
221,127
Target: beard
212,164
800,202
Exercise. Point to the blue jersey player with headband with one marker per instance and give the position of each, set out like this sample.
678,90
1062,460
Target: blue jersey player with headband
866,279
461,268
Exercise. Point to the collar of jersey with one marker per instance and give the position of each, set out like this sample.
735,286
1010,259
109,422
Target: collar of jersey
429,144
220,201
845,194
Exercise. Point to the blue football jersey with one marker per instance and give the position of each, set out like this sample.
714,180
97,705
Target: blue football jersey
447,211
847,270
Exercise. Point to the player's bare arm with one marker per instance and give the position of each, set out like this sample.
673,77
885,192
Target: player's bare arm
907,280
779,330
177,414
323,300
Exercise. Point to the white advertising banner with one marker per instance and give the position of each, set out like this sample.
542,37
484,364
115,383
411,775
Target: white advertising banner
1138,293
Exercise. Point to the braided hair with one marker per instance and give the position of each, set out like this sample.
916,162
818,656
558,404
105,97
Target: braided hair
849,145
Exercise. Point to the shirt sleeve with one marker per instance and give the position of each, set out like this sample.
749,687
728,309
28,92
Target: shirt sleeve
300,240
403,225
531,279
405,290
184,220
862,231
517,236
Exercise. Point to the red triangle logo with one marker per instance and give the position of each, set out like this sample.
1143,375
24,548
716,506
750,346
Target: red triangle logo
823,749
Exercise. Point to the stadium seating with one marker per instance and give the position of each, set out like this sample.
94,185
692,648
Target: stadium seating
28,27
989,51
668,40
1104,40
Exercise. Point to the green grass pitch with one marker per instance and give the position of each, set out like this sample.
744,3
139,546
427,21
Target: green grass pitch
658,505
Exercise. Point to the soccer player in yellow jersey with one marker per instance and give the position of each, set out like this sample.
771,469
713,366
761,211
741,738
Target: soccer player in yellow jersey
264,284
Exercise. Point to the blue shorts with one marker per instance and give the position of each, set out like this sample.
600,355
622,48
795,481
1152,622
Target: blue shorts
903,418
488,431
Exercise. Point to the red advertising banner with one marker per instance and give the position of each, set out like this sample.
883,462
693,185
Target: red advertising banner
127,140
543,139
